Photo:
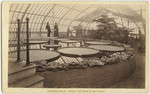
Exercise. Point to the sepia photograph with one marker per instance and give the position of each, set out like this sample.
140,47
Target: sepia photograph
69,46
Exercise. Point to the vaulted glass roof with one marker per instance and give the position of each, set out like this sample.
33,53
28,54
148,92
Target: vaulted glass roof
70,15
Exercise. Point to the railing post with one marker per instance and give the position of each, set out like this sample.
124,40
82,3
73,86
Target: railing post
18,42
27,45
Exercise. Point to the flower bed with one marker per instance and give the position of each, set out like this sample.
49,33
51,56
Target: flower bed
110,58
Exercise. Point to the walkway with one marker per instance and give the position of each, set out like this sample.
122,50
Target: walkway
137,79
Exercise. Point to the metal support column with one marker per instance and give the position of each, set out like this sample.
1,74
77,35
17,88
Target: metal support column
18,42
27,45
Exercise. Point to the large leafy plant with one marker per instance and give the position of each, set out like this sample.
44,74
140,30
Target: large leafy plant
108,29
79,30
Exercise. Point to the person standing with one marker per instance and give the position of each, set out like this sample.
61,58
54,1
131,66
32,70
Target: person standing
48,31
56,33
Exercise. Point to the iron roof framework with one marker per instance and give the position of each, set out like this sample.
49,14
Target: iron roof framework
70,15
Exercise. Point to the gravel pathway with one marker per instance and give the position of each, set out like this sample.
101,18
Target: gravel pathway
137,79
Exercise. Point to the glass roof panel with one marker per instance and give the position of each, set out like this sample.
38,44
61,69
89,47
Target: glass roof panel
40,10
20,6
14,16
20,15
75,23
34,19
65,22
25,6
81,15
91,9
10,16
68,14
14,7
32,8
83,7
74,14
61,12
37,9
48,8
